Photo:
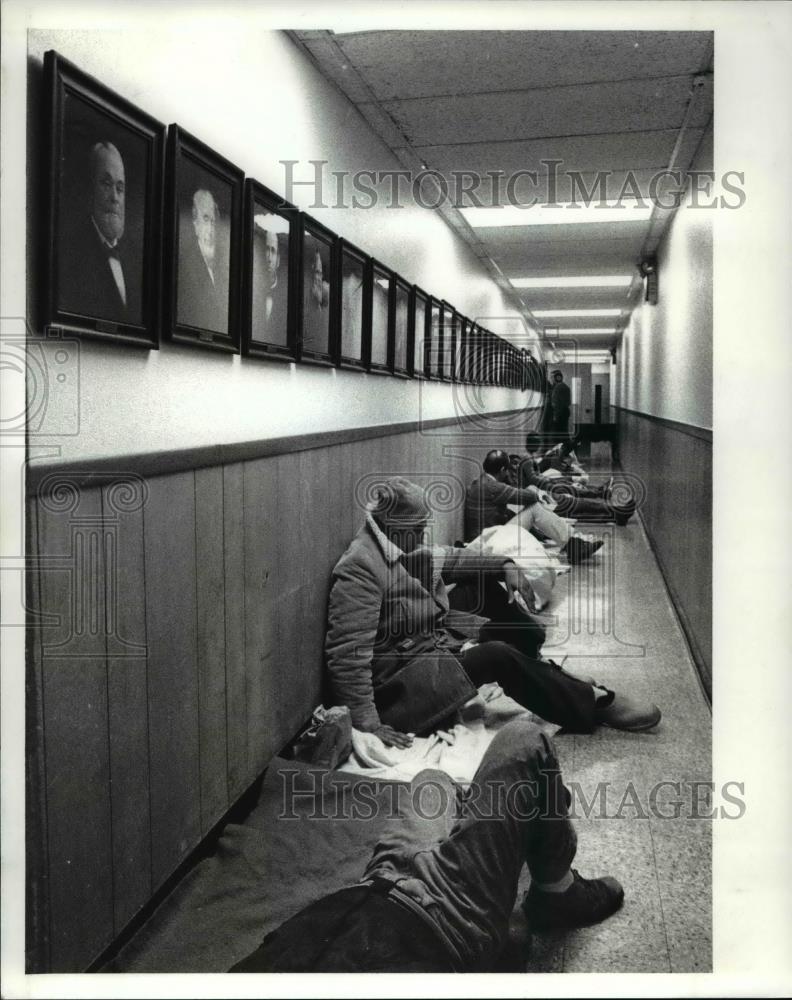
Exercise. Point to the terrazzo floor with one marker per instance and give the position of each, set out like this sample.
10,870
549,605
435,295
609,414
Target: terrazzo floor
616,624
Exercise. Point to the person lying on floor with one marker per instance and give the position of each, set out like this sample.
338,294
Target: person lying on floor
487,502
572,498
402,661
559,459
441,884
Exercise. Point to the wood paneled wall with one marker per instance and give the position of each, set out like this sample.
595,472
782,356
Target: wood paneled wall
674,462
176,645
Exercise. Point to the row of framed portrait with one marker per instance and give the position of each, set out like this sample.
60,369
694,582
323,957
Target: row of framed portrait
150,230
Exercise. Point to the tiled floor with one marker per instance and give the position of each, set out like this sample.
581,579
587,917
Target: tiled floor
625,634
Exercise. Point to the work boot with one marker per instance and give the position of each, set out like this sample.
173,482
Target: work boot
578,548
586,901
622,712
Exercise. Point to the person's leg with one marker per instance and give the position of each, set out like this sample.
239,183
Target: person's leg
542,687
508,622
538,516
514,813
421,814
571,503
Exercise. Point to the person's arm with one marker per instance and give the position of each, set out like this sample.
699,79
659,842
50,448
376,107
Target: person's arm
501,494
458,564
530,477
353,619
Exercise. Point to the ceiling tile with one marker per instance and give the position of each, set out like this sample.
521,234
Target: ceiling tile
613,151
404,64
635,106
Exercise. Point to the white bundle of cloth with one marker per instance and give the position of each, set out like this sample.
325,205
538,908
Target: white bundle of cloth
540,564
458,751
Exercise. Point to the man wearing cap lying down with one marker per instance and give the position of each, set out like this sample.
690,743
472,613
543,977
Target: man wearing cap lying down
402,661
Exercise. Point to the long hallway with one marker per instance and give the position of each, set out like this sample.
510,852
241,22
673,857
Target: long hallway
653,836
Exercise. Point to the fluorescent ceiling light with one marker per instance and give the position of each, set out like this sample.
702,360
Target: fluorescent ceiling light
583,281
561,214
550,313
589,329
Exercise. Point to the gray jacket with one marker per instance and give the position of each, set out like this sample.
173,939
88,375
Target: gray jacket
392,642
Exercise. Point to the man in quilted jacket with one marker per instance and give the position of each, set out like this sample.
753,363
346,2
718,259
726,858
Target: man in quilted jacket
403,661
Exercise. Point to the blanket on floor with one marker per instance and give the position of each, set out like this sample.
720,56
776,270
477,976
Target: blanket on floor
457,751
311,833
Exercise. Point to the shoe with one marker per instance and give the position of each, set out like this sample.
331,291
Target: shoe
621,712
586,901
622,514
577,549
604,490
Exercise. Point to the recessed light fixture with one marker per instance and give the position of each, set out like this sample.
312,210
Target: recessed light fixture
550,313
582,281
562,214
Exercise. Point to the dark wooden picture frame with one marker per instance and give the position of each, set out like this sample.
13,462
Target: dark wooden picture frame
377,318
399,326
204,193
105,158
434,337
269,322
464,331
315,291
490,358
447,365
348,326
472,353
417,349
473,350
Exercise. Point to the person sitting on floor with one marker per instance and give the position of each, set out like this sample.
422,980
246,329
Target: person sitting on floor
573,498
441,884
487,504
402,661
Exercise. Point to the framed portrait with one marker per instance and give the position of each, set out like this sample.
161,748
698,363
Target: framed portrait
350,280
435,338
452,339
315,296
203,250
501,349
446,363
472,352
490,360
419,317
462,360
377,340
104,206
399,326
268,320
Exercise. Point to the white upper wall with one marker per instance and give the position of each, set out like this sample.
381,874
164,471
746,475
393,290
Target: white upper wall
665,357
251,94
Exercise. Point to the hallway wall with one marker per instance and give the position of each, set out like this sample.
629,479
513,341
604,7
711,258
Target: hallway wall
178,621
251,94
663,403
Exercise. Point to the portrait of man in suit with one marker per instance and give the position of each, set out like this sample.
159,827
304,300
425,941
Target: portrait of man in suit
270,278
316,295
100,267
203,265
